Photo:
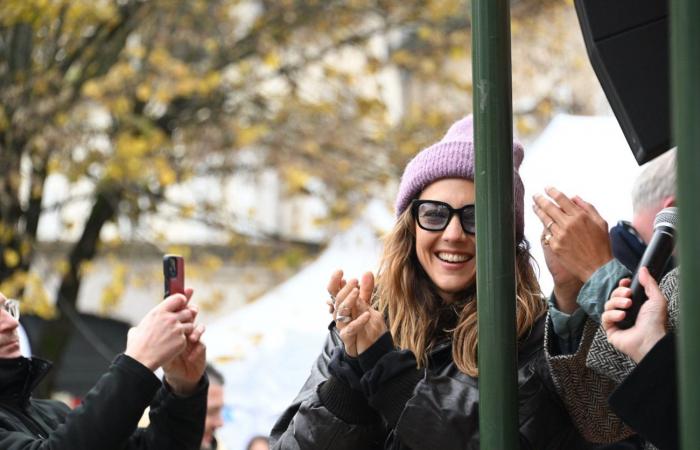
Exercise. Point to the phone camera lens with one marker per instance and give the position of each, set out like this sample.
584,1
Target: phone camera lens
172,268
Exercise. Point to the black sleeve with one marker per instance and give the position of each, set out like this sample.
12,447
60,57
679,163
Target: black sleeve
327,413
390,377
647,400
174,421
105,420
341,393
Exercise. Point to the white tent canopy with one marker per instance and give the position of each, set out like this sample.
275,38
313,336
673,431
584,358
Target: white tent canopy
266,349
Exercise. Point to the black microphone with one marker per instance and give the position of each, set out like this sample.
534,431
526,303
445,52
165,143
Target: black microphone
655,258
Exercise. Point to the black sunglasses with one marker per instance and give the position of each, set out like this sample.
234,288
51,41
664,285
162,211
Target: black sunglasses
432,215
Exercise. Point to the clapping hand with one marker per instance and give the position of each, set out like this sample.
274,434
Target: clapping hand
361,324
576,233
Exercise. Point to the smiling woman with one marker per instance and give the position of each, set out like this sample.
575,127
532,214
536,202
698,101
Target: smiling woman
448,253
401,370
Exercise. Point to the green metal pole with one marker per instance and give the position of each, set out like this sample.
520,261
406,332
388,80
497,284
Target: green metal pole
495,237
685,62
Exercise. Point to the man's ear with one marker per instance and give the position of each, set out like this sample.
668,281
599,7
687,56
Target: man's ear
669,201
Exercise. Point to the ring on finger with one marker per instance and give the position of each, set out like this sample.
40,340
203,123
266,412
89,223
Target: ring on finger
332,302
342,319
549,225
547,237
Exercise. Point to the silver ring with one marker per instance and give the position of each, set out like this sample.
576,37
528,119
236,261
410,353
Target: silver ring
547,238
549,225
332,303
342,319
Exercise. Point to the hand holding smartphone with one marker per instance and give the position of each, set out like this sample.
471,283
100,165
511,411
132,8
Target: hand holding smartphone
174,274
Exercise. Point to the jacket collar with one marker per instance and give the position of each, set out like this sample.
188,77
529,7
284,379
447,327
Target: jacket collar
18,378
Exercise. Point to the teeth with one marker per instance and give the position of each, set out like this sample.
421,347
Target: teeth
452,257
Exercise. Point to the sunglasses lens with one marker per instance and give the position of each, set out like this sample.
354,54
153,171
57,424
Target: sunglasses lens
468,220
433,216
12,308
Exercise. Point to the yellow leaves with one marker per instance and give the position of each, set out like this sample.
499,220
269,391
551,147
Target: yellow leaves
40,86
525,125
166,174
425,32
402,57
545,107
62,267
428,66
459,52
28,11
143,92
373,65
113,292
92,89
37,298
272,60
296,178
187,211
34,297
185,87
131,146
6,233
85,11
11,258
137,157
3,119
442,9
210,82
250,134
311,147
121,105
61,119
291,258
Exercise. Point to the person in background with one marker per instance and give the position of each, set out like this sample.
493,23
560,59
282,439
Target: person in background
653,190
107,419
258,443
647,398
399,369
215,406
586,269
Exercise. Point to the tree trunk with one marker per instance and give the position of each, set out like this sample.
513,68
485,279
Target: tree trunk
57,333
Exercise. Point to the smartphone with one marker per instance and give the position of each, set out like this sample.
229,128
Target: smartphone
174,274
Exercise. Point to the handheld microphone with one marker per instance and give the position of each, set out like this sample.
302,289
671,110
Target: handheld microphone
655,258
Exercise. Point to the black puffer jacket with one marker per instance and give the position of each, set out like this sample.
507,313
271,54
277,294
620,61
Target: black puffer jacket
108,416
438,407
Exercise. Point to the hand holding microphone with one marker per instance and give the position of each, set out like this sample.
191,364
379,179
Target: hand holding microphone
650,326
655,258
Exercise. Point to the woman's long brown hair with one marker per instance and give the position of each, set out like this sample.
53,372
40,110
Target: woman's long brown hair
407,298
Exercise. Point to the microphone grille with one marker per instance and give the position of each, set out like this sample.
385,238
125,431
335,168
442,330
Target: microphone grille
667,217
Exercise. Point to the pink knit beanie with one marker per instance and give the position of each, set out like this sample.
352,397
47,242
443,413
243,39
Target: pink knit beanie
453,157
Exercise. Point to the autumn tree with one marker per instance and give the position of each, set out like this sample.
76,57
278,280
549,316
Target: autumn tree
135,96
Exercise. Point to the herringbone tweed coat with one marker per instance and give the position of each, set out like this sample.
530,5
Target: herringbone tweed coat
585,379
